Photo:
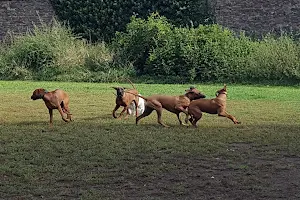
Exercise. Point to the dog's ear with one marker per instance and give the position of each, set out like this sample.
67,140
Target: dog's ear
115,88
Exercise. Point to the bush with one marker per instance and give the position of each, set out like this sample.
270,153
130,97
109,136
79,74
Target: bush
54,53
274,59
140,37
207,53
99,20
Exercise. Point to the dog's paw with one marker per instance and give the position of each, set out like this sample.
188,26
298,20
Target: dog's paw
185,124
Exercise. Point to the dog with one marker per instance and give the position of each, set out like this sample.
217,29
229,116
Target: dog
124,98
212,106
140,107
174,104
57,99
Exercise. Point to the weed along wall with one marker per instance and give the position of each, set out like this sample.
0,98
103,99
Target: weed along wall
20,15
259,16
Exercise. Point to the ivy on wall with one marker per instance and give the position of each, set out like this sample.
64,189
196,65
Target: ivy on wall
100,19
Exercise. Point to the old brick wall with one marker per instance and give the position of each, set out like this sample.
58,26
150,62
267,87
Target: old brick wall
252,16
20,15
258,16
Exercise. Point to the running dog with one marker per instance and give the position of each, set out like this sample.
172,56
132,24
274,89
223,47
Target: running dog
124,98
57,99
174,104
212,106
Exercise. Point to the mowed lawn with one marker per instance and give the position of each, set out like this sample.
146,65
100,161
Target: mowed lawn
99,157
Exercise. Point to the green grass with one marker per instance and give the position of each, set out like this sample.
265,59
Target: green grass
99,157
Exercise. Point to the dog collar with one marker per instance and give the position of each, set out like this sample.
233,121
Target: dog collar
218,93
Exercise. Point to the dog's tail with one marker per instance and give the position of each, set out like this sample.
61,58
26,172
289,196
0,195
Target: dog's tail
137,95
130,83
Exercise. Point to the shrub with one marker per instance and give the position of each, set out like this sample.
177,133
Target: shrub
134,45
99,20
54,53
207,53
274,59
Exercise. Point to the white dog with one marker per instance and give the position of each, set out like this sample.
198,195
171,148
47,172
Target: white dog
140,108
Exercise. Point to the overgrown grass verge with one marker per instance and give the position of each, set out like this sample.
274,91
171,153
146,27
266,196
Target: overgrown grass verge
152,50
54,53
98,157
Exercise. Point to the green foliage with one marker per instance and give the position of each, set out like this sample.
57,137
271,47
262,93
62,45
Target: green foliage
152,50
53,53
99,20
207,53
274,58
141,36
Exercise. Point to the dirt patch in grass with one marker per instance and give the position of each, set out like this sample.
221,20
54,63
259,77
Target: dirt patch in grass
247,172
242,171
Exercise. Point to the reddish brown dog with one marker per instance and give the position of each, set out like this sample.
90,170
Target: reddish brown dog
57,99
124,98
174,104
212,106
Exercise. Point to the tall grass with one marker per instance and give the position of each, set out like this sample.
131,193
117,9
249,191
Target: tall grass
54,53
151,50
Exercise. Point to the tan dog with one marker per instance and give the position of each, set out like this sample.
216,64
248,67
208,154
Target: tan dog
174,104
124,98
57,99
211,106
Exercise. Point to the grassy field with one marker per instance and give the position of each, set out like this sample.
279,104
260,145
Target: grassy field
99,157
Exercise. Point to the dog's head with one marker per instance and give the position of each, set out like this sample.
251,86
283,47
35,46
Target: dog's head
222,91
120,91
194,93
38,93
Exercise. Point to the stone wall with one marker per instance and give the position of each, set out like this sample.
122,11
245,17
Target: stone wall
253,16
20,15
259,16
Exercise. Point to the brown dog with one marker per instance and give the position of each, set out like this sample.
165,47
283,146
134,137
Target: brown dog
124,98
211,106
174,104
57,99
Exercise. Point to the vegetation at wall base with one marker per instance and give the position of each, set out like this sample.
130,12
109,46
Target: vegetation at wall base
99,20
53,52
207,53
151,50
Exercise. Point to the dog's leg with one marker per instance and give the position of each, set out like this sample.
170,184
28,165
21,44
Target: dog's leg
148,110
159,112
196,119
115,109
127,114
196,115
62,115
186,120
51,118
66,110
178,117
185,111
124,109
136,107
61,112
223,113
